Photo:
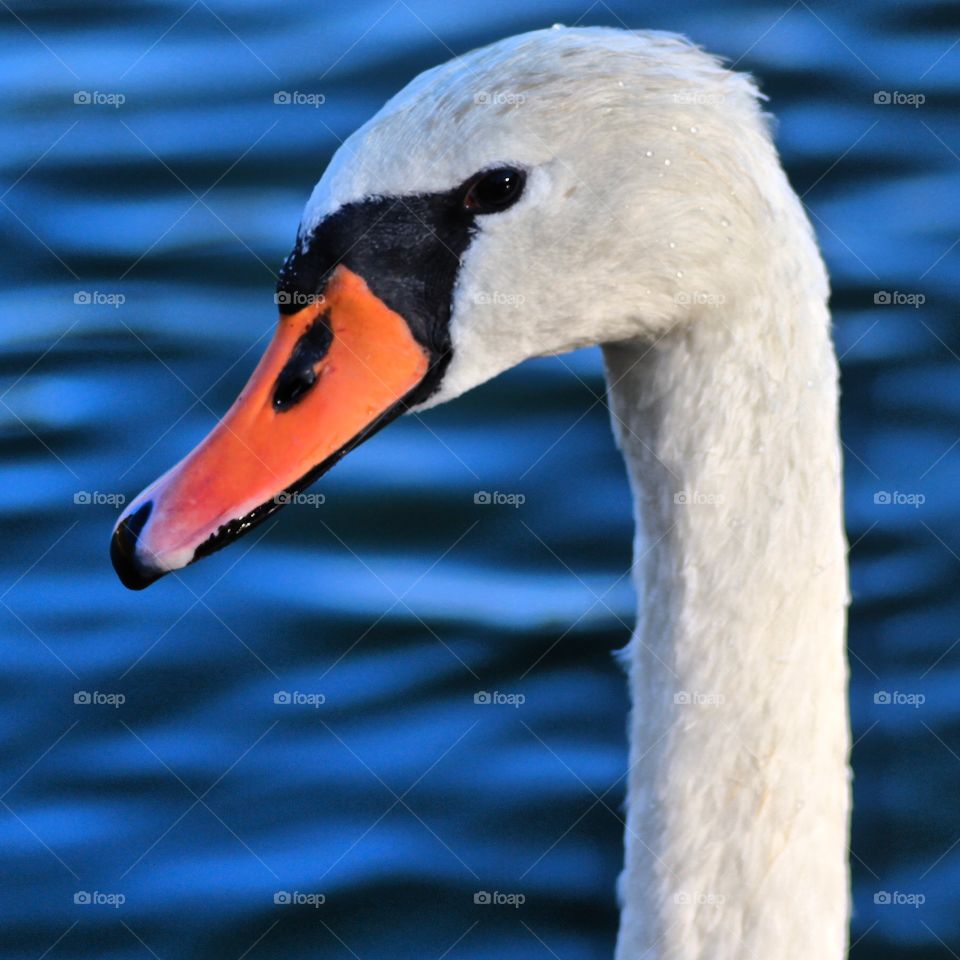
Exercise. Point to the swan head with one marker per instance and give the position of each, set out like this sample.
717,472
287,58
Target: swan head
560,188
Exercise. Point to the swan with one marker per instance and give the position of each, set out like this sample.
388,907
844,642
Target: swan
625,185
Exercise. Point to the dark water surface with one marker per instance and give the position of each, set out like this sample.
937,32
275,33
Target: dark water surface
199,798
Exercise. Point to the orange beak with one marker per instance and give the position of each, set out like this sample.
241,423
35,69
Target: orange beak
335,372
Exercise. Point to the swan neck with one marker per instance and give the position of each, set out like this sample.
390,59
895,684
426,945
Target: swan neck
738,787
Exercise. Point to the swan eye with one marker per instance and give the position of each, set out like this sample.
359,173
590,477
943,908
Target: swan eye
494,190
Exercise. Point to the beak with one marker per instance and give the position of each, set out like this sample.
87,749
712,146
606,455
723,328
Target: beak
336,371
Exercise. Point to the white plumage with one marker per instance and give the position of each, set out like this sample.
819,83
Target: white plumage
657,221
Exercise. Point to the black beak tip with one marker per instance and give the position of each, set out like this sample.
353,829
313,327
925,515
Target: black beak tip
131,570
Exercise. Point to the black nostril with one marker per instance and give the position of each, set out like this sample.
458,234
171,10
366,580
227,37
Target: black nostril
123,550
299,374
292,385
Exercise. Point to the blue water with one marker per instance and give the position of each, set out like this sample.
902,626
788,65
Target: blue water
198,799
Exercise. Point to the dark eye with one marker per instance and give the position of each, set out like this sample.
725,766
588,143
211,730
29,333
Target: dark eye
494,190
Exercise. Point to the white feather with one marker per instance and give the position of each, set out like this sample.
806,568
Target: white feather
658,222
